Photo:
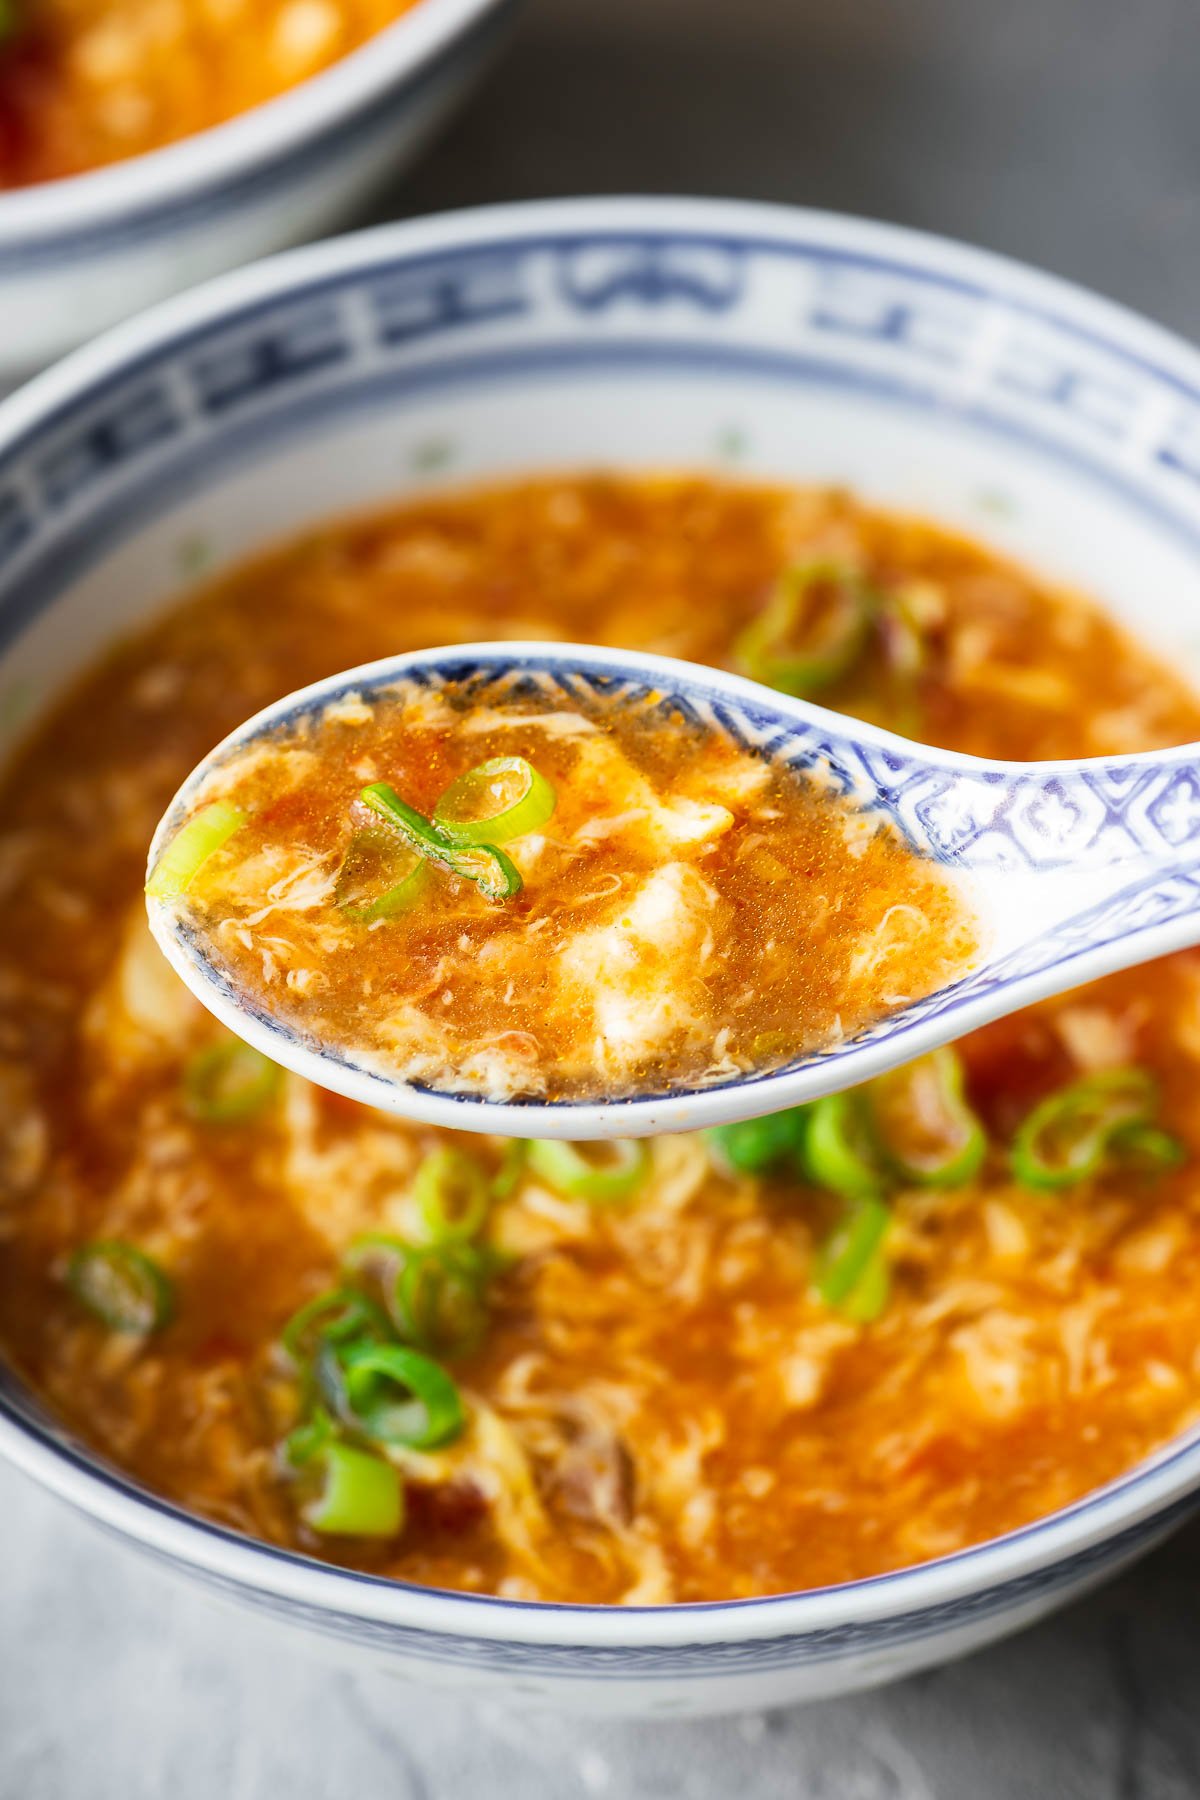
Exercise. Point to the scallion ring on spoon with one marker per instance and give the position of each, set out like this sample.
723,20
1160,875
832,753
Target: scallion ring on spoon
497,800
206,832
381,875
493,873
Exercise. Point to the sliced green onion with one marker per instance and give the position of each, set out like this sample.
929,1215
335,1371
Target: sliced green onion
438,1299
843,1262
371,1251
339,1316
812,630
1151,1147
609,1172
229,1083
755,1145
121,1286
493,873
8,19
837,1152
304,1441
452,1196
361,1495
188,851
869,1295
392,1394
507,1178
381,876
500,799
922,1124
1068,1137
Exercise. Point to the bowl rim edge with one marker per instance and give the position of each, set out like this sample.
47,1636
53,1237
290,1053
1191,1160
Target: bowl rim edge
1135,1498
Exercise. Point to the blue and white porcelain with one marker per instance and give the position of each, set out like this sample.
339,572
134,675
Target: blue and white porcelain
79,254
1070,870
627,333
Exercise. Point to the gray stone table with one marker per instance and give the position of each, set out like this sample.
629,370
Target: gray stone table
1063,131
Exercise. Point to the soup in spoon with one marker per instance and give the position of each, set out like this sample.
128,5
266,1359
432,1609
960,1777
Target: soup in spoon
543,895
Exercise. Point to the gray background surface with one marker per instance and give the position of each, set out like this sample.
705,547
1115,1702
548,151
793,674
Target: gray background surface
1063,131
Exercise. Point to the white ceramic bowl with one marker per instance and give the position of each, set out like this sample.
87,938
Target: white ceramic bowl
77,255
637,334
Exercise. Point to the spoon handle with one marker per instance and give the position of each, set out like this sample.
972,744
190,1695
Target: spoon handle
1082,869
1134,813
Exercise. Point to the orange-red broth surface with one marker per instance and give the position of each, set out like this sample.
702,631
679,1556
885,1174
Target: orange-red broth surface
685,912
88,82
662,1404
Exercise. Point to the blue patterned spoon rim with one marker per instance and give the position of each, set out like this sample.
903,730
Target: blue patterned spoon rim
870,767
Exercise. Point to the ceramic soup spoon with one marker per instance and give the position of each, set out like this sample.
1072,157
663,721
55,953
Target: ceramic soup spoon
1067,870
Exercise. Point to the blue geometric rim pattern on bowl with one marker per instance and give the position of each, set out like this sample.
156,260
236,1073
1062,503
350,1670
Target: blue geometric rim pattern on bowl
514,302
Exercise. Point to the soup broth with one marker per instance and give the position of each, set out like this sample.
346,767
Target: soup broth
87,82
793,1353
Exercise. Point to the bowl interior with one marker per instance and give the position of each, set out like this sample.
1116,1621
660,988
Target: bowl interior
643,335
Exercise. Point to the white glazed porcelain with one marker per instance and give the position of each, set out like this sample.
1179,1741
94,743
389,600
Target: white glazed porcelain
638,334
77,255
1070,870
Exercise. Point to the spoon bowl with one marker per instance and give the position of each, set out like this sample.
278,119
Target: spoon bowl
1072,870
